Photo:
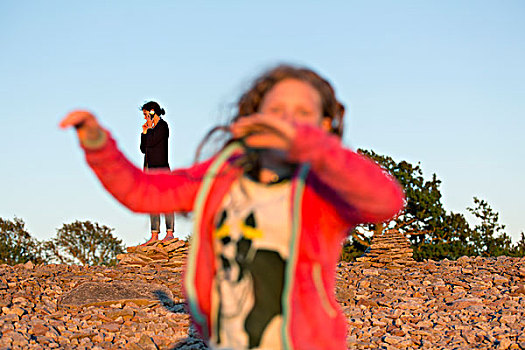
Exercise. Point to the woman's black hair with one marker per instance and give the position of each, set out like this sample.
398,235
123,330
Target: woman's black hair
148,106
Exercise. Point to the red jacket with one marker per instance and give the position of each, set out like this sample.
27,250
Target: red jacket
334,190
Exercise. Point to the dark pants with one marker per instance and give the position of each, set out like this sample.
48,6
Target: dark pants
155,219
155,222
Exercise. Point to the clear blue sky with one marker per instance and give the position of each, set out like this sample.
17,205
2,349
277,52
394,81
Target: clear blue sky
436,82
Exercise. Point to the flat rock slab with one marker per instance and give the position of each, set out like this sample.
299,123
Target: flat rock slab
106,293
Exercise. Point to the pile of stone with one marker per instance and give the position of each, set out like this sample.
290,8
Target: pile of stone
166,254
469,303
80,307
389,248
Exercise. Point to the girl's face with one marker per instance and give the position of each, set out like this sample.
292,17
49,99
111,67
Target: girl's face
296,101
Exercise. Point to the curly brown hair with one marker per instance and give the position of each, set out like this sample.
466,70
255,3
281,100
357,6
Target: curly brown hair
251,100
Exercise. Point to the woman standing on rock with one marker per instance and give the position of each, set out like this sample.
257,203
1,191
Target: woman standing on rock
271,209
154,146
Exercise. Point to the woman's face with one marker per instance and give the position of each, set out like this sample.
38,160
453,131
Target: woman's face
147,114
296,101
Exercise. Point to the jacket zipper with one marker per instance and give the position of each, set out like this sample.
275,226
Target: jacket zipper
321,291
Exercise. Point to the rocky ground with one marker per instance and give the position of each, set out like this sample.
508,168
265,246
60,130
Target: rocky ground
464,304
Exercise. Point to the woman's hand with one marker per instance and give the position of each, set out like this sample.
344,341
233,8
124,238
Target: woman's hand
87,126
150,124
263,131
147,125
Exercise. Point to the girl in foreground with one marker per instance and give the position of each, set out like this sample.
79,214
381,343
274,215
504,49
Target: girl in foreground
270,209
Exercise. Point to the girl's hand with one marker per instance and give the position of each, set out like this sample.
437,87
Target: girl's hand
87,126
263,131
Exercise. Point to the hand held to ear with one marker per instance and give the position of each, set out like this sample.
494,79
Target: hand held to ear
155,121
147,125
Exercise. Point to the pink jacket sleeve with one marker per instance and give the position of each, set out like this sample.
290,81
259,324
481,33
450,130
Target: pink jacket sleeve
359,181
152,192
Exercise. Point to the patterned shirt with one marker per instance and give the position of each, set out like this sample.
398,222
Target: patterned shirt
251,240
